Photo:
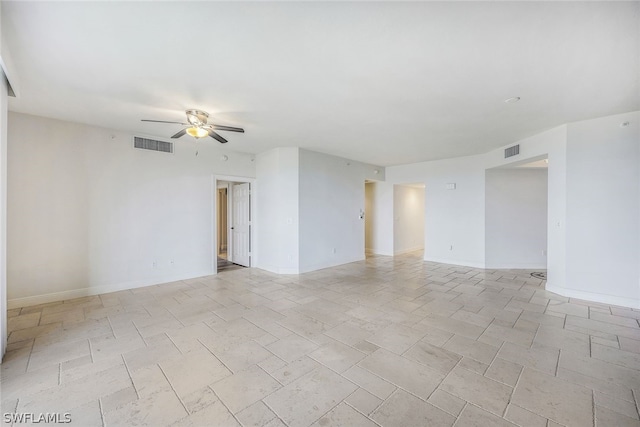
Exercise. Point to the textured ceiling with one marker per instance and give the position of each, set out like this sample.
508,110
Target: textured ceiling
385,83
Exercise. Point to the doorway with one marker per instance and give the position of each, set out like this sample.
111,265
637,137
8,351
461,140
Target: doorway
233,225
408,218
394,218
516,215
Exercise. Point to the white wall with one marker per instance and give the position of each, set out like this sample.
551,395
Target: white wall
603,208
278,210
593,233
89,214
310,206
553,145
3,214
454,219
408,219
331,203
516,218
379,218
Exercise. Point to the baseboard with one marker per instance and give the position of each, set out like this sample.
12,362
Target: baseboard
595,297
406,251
374,251
98,290
314,267
518,266
385,253
455,262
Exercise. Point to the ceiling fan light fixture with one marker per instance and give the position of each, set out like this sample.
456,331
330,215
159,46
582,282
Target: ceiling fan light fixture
197,132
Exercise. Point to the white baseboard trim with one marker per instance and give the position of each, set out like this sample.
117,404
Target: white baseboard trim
455,262
595,297
98,290
314,267
380,253
406,251
375,251
278,270
519,266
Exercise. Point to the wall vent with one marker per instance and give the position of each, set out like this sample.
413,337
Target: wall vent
512,151
152,144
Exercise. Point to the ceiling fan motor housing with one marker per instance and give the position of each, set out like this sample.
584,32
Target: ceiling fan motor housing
197,117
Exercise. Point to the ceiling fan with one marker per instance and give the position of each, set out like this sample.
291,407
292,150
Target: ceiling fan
198,127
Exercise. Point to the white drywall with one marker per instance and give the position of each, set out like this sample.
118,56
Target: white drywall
593,232
332,209
454,218
88,213
379,218
3,214
278,210
603,207
408,219
516,218
553,145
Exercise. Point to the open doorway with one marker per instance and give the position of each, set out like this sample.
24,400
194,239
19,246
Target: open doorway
394,218
408,219
516,216
233,225
378,218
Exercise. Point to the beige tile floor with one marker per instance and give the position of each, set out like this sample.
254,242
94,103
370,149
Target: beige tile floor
387,341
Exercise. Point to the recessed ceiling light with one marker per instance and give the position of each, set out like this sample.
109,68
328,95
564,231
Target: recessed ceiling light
512,100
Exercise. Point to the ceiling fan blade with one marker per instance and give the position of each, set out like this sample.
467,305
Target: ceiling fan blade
163,121
214,135
227,128
179,134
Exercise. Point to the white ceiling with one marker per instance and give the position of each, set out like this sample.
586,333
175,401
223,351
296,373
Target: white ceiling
385,83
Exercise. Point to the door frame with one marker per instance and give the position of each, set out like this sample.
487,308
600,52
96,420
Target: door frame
214,222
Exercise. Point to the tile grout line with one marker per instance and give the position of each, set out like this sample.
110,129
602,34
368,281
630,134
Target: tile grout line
635,399
272,410
91,349
174,390
360,412
593,407
101,412
463,408
216,356
513,392
130,376
223,404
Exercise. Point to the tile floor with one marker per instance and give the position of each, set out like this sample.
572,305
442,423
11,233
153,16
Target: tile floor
383,342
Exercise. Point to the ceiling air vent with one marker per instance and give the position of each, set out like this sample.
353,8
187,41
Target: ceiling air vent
152,144
512,151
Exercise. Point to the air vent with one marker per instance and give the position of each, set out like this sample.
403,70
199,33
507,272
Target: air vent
512,151
152,144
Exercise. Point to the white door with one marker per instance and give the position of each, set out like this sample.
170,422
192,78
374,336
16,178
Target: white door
241,224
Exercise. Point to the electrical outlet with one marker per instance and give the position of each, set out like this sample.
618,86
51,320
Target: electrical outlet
334,250
155,264
450,247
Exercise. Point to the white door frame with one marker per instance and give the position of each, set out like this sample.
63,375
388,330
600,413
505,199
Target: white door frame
214,221
240,227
